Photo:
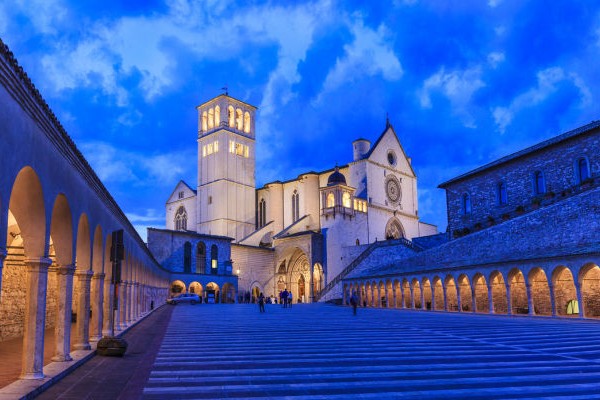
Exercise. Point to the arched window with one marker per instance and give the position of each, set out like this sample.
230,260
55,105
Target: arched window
217,116
501,194
583,170
181,219
204,121
295,206
539,183
262,213
346,200
200,258
394,229
211,118
466,204
247,122
330,200
239,119
231,116
187,257
214,266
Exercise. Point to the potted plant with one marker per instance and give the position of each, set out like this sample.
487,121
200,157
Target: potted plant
536,201
505,217
490,220
520,210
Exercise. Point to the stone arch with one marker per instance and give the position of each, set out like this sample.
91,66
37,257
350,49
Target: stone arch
438,294
177,287
498,289
318,280
381,294
427,294
196,287
540,292
482,302
83,255
589,278
518,292
451,293
417,301
247,122
61,231
298,267
397,293
394,229
200,258
564,290
212,292
228,293
255,290
466,298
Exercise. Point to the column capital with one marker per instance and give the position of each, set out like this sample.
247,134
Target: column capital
87,274
64,269
100,275
38,264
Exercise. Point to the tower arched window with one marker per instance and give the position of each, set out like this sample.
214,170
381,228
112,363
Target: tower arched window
181,219
295,206
217,116
262,213
200,258
501,194
247,122
582,169
539,183
211,118
346,200
231,116
187,257
466,204
204,121
239,119
330,200
214,265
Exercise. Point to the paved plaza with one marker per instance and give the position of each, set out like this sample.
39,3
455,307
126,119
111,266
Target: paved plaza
319,351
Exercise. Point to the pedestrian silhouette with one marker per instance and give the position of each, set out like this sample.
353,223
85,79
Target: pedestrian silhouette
261,303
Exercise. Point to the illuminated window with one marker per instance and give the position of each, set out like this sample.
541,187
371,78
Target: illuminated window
210,148
346,200
217,115
213,259
466,204
204,121
239,119
211,118
360,205
295,206
230,116
330,200
239,149
181,219
247,122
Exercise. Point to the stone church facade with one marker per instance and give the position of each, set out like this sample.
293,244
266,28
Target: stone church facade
301,234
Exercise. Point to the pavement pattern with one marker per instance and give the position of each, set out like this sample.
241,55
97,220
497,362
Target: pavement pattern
319,351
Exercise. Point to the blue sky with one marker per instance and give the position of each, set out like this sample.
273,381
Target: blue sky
464,82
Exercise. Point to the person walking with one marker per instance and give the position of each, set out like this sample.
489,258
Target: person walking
354,302
261,303
290,298
284,297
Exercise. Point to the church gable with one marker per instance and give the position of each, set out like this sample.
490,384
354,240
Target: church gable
182,191
389,152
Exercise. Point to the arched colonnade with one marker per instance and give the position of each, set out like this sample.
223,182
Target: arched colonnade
552,290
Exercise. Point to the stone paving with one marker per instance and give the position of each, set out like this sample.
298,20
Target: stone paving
324,352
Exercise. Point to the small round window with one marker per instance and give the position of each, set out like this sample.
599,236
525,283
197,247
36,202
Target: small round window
391,157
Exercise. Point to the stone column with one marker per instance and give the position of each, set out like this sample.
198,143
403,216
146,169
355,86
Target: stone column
508,299
129,307
458,299
473,299
2,257
444,294
552,301
579,298
62,330
108,310
402,296
122,305
395,297
32,363
82,328
491,297
529,299
97,302
412,298
423,297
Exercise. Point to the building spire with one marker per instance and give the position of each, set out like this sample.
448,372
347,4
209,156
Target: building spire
387,120
224,88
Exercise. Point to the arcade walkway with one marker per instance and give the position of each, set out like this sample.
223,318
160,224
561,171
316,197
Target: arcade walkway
324,352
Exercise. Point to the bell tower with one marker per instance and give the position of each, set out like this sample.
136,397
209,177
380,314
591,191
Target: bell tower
226,167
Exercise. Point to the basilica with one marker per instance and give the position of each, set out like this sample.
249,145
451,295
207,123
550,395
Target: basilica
225,238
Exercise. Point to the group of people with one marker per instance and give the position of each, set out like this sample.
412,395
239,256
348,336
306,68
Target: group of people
286,298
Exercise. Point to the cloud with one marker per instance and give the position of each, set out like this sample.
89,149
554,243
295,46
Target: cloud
547,84
369,54
151,215
495,58
114,165
494,3
458,86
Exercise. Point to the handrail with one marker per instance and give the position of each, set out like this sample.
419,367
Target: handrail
360,259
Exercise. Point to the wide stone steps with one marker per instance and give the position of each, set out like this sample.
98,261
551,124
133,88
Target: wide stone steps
323,352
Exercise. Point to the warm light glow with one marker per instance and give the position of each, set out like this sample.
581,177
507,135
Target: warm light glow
217,115
211,118
346,200
360,205
247,122
239,119
230,116
239,149
204,121
210,148
330,200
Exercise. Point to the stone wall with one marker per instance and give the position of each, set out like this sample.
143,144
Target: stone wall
557,162
256,265
12,302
